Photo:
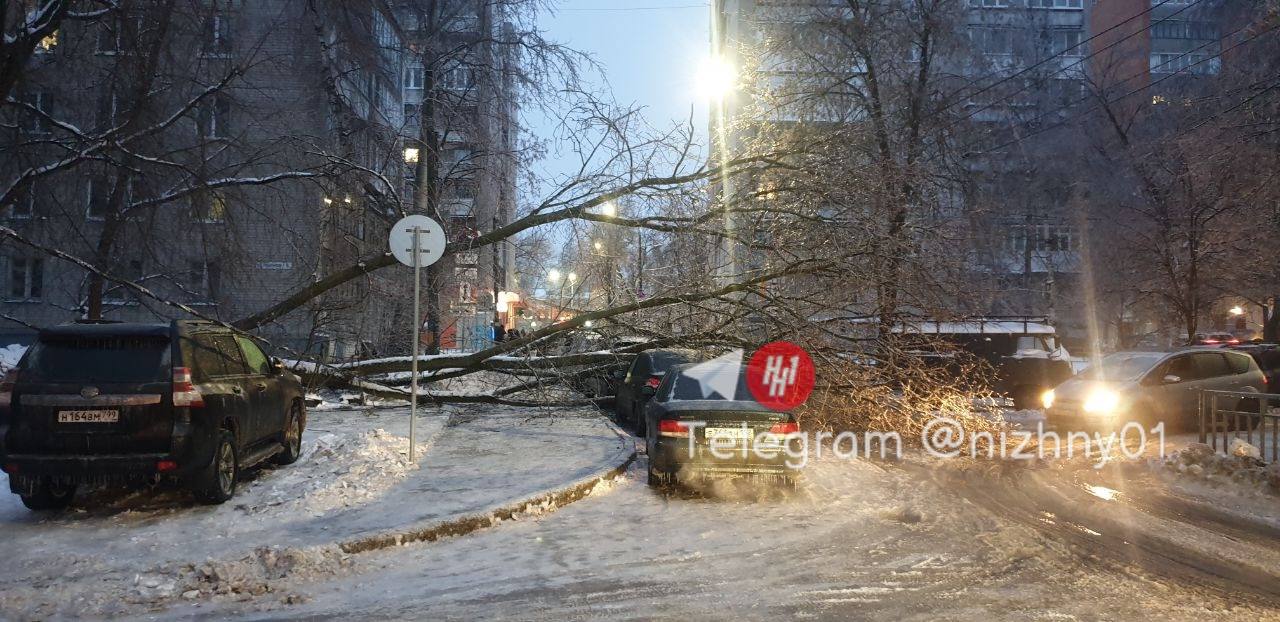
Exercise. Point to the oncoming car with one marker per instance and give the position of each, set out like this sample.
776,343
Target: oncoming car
1151,388
692,434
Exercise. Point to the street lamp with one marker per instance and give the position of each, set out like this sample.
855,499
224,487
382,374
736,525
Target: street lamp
411,154
553,275
716,78
609,209
598,245
1236,310
573,277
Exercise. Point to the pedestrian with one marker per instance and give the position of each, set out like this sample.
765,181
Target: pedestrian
499,332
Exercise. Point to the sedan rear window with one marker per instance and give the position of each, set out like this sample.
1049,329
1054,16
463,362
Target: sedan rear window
99,359
689,388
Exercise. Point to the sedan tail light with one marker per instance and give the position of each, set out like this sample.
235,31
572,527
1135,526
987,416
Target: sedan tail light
6,387
789,427
184,392
673,428
653,382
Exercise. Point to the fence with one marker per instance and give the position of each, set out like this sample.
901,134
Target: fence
1246,416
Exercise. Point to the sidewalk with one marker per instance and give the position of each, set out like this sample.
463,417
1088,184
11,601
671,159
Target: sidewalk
353,482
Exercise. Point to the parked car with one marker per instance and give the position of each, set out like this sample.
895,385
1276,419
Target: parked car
120,403
1152,387
1214,339
640,381
682,422
1267,356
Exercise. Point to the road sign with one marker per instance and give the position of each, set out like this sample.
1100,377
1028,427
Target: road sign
430,240
416,241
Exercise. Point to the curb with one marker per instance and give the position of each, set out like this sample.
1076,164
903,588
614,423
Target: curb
468,524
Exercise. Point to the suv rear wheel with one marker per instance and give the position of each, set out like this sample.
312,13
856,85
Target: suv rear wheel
217,482
49,496
292,438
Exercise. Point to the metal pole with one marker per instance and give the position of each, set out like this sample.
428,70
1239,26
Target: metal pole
417,326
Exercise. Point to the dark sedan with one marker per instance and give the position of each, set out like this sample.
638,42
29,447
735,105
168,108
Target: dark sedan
641,380
693,435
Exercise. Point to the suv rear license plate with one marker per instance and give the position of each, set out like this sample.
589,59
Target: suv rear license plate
88,416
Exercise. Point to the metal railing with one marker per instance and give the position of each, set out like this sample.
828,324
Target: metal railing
1246,416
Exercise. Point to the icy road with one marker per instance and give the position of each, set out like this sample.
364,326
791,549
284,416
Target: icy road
860,541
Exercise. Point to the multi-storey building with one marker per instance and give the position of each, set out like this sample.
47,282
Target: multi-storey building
1020,67
460,122
233,152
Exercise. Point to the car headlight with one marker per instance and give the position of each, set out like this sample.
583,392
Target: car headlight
1102,401
1046,398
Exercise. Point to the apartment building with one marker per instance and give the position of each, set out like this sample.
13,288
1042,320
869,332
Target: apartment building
236,155
459,86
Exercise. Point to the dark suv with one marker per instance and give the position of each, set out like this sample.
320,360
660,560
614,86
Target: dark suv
121,403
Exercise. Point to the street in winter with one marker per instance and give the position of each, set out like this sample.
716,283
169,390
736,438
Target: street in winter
639,309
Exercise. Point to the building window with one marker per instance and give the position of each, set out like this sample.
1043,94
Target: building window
1184,29
1055,4
209,207
461,17
216,40
201,279
459,79
130,271
413,77
1191,62
214,115
456,162
23,204
47,44
33,121
26,278
99,195
109,110
990,40
1066,42
989,4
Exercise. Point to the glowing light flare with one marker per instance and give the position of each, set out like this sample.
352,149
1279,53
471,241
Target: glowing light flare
1102,401
716,78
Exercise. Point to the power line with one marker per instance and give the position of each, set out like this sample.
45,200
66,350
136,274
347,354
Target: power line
637,8
1063,54
1132,92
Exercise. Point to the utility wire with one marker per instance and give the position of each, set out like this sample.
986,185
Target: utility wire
1128,94
1082,43
1063,54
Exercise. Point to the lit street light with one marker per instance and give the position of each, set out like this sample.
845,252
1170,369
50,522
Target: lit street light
573,277
716,78
609,209
411,154
1236,310
553,275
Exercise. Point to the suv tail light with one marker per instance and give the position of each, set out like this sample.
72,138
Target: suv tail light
6,387
653,382
671,427
783,429
184,392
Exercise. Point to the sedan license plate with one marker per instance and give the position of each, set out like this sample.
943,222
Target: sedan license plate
88,416
736,434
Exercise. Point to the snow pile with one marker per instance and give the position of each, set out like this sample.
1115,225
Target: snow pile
255,574
340,471
9,356
1240,466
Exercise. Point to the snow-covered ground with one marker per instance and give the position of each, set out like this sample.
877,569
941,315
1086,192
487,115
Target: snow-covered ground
861,540
117,549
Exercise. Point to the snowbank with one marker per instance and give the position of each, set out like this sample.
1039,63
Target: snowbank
9,356
347,470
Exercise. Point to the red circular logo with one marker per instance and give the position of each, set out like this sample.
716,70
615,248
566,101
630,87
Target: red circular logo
780,375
